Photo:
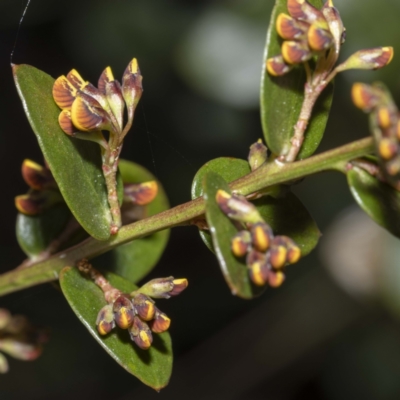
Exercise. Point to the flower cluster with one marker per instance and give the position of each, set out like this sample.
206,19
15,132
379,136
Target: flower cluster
86,108
43,192
385,123
306,31
135,311
19,339
266,255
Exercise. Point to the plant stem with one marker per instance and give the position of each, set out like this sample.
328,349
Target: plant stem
261,178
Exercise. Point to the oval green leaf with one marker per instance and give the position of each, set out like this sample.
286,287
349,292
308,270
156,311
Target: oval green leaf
136,259
282,98
379,200
154,366
286,215
75,164
222,231
36,232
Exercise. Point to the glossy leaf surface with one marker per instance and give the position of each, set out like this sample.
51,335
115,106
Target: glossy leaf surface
153,367
222,231
75,164
136,259
36,232
286,215
379,200
282,98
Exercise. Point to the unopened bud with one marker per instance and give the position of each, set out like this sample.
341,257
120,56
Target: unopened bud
36,176
75,79
365,96
278,253
303,10
288,28
132,85
335,23
20,350
241,243
64,93
261,235
106,77
144,307
162,287
258,267
140,333
105,320
258,155
319,39
388,148
374,58
141,193
276,66
293,251
237,207
115,100
160,323
36,202
385,117
276,278
123,312
295,52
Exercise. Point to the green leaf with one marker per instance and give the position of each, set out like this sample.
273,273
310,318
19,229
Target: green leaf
75,164
36,232
282,98
154,366
136,259
286,215
222,231
379,200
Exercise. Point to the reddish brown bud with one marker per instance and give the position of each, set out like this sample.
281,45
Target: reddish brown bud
36,202
276,278
289,29
261,235
258,267
319,39
64,119
123,312
364,96
132,88
295,52
105,320
179,286
276,66
303,10
64,93
75,79
241,243
105,77
144,307
115,100
388,148
36,176
384,117
141,193
19,349
278,252
141,333
160,323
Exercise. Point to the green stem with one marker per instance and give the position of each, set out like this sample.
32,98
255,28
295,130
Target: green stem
48,270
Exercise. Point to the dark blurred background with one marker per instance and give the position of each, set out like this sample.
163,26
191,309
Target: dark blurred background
332,330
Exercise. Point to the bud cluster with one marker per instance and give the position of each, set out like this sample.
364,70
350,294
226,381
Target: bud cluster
43,191
266,255
135,311
306,31
385,123
19,339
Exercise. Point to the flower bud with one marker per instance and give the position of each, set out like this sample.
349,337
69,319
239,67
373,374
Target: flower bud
385,117
276,278
123,312
115,100
295,52
105,320
261,236
36,202
374,58
141,193
64,119
20,350
364,96
257,155
3,364
88,115
144,307
293,251
259,267
5,318
241,243
276,66
163,287
64,93
319,39
388,148
278,252
303,10
140,333
336,28
160,323
106,77
289,28
36,176
75,79
237,207
132,85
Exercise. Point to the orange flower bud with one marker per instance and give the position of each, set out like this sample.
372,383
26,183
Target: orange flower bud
141,334
364,96
261,235
289,29
64,93
319,39
259,267
278,253
75,79
123,312
276,279
303,10
388,148
141,193
36,176
160,323
105,77
276,66
295,52
144,307
105,320
241,243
